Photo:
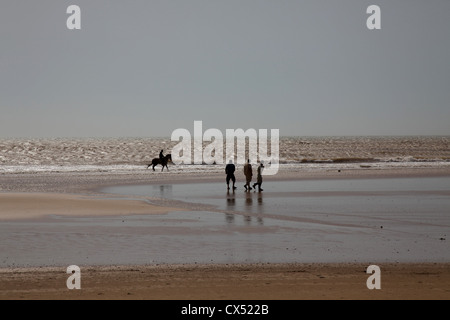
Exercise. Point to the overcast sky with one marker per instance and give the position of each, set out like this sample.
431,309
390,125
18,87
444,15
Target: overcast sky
145,68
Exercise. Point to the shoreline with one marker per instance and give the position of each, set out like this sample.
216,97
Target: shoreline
91,182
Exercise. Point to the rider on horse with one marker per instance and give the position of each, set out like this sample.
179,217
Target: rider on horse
162,160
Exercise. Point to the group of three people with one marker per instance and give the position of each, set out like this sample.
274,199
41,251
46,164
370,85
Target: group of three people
230,168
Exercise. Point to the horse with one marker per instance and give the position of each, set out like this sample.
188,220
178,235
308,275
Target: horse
166,159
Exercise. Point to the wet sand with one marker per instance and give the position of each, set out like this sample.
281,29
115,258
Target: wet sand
82,211
26,206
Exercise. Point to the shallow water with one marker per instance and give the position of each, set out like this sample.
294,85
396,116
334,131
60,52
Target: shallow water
362,220
309,198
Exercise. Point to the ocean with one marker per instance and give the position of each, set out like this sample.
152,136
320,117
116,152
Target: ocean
22,155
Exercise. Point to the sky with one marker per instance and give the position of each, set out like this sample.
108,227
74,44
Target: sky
143,68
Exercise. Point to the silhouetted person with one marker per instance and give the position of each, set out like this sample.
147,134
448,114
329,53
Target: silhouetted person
248,172
229,170
161,155
259,178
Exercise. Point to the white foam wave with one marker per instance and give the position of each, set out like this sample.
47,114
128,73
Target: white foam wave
216,169
298,153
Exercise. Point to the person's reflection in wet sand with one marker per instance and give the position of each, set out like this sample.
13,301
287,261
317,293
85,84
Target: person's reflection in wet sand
164,190
260,208
231,199
248,199
249,208
248,204
260,221
229,218
231,203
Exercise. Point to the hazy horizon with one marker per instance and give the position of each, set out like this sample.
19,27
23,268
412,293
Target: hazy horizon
145,68
207,142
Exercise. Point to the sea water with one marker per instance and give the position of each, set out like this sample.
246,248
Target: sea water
296,153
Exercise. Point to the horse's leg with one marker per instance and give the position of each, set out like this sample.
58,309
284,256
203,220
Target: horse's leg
153,167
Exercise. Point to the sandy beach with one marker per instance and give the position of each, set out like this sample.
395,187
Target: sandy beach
231,282
16,206
39,213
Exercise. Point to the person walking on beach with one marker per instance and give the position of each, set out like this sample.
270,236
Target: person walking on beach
248,172
229,170
259,178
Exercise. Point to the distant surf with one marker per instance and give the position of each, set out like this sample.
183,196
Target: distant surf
118,155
